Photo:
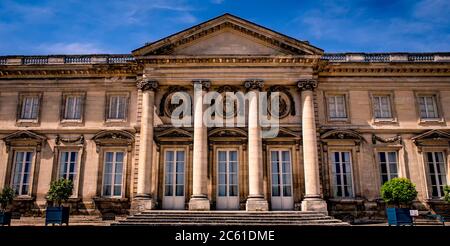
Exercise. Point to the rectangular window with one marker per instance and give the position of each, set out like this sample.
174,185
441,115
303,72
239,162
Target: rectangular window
336,107
281,173
22,172
428,107
73,108
112,174
388,165
117,107
436,168
68,165
174,173
382,107
342,174
30,108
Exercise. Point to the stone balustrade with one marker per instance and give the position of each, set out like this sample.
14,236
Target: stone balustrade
386,57
65,59
125,58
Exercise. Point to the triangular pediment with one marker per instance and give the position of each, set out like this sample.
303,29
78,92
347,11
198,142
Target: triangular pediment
174,133
24,135
228,35
341,134
432,135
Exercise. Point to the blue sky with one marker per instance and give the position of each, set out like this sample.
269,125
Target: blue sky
119,26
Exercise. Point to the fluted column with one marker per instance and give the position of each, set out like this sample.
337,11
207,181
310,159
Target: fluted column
199,199
313,200
256,200
143,200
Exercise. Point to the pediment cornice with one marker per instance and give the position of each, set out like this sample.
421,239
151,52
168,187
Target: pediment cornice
167,45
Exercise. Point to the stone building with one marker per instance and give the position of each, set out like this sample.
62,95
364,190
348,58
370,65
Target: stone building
348,123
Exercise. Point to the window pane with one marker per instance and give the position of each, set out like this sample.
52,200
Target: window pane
233,155
287,191
179,190
117,190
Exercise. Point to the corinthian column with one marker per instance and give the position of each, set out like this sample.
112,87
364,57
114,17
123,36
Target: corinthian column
313,200
256,200
143,199
199,199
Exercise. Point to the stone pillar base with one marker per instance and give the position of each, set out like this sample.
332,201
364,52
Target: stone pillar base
142,203
199,204
257,204
315,205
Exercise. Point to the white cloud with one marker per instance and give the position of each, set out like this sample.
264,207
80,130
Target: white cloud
70,48
185,18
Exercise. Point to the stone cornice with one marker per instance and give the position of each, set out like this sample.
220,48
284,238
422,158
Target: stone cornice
385,69
219,60
56,71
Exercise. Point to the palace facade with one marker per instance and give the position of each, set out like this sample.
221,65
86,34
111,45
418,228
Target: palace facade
348,123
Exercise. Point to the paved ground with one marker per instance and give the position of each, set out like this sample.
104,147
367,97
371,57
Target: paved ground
97,221
74,220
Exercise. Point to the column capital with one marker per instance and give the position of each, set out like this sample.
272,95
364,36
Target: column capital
307,84
205,83
254,84
145,84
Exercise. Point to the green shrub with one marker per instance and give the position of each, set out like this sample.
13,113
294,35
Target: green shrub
6,197
398,191
60,190
447,193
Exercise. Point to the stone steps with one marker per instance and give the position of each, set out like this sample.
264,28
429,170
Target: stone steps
229,218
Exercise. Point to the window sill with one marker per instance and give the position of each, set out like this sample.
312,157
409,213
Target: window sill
22,122
71,123
338,121
436,200
346,200
386,121
23,198
426,122
111,199
116,123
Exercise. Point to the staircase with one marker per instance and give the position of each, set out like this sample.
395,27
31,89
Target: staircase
230,218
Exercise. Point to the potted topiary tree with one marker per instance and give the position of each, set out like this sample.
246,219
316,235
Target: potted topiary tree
447,193
60,190
6,197
398,192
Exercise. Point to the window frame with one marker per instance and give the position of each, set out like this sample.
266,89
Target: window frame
22,97
76,181
65,97
428,179
345,94
392,108
31,172
353,185
425,121
185,173
269,164
109,95
388,169
124,173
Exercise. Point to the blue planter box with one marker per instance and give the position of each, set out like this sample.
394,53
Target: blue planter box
399,216
5,218
57,215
